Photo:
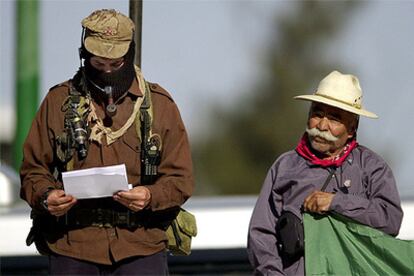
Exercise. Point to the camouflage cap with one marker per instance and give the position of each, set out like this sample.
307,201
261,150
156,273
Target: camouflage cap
108,33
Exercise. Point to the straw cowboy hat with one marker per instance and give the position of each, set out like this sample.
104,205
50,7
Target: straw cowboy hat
108,33
341,91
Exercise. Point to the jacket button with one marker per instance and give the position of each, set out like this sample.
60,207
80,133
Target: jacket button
112,233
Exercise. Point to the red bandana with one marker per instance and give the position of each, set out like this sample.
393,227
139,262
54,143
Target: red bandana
304,150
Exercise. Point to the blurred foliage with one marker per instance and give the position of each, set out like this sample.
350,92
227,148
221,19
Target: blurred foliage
245,140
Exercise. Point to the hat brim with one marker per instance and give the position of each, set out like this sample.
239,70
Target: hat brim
106,49
340,105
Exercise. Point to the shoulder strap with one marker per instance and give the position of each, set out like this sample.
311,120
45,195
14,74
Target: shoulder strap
145,115
150,142
328,179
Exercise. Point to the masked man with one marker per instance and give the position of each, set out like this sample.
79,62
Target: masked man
327,172
107,114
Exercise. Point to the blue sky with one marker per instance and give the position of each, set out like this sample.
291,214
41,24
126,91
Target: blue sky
207,52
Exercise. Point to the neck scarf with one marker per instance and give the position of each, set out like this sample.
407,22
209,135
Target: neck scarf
99,131
304,150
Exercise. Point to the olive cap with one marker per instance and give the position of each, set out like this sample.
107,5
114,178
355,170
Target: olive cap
108,33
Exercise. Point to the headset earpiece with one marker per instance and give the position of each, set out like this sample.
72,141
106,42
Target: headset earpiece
81,50
82,53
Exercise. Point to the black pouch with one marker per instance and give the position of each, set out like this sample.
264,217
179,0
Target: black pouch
289,229
36,235
290,234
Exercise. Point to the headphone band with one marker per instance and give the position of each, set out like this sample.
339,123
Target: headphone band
82,54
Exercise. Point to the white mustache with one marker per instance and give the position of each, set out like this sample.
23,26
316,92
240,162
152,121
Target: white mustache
327,135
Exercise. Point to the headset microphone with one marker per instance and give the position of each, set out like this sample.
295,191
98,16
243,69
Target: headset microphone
111,107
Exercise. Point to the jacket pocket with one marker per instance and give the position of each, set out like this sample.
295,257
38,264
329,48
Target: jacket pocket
132,142
129,153
149,235
87,234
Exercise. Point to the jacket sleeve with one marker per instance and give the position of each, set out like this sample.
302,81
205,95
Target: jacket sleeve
380,207
175,184
35,173
261,246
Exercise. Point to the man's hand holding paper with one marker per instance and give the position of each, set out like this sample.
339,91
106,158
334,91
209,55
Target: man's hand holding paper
58,203
95,182
135,199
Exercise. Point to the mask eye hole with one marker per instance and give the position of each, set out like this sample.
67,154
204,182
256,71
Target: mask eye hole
107,65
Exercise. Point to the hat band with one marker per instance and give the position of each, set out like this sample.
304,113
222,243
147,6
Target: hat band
355,105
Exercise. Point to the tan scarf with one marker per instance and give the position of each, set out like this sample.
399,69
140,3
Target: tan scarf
98,130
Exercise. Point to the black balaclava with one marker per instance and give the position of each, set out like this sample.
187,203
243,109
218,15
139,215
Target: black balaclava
120,80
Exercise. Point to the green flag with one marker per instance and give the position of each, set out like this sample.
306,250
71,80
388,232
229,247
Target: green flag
335,245
27,73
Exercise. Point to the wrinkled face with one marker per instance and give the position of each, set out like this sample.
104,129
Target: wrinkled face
337,122
106,65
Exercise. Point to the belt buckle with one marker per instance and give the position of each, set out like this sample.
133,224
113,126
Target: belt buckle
123,218
97,224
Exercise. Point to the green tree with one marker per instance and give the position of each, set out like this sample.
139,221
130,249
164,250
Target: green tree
243,142
27,73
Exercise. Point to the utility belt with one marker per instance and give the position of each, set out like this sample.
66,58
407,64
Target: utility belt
106,217
81,217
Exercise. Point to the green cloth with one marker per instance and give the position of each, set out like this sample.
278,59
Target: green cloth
335,245
27,72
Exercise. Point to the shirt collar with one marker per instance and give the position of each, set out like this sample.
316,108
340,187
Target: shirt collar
134,89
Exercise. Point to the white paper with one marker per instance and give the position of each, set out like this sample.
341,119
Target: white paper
95,182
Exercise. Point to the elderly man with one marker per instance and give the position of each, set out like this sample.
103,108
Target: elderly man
107,114
327,172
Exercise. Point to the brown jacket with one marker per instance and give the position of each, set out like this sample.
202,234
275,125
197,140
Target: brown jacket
172,188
